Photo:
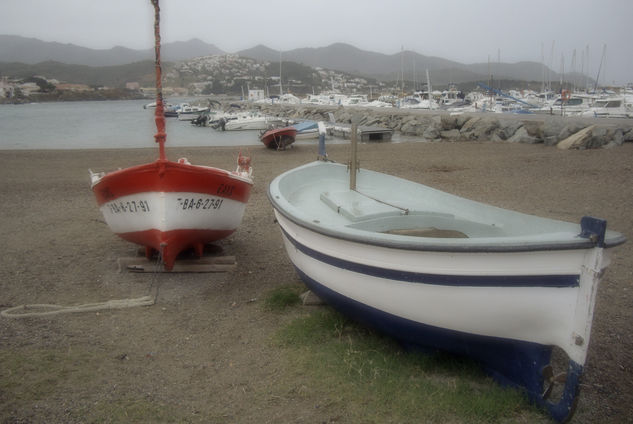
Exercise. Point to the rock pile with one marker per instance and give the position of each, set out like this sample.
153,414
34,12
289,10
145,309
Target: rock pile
443,126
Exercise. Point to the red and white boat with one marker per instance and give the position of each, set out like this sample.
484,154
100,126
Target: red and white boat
279,138
171,206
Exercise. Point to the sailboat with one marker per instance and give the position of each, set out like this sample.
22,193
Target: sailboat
169,206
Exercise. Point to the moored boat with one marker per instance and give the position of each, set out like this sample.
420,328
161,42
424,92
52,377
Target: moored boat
189,113
612,107
278,138
249,122
170,206
443,272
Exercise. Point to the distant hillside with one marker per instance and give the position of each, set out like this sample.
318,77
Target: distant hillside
262,53
347,58
31,51
112,76
339,56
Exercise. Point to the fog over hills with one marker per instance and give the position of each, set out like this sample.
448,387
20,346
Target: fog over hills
339,56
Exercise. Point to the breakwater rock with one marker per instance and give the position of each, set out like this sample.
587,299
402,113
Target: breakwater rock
443,126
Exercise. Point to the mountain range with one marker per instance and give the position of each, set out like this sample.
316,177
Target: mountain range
342,57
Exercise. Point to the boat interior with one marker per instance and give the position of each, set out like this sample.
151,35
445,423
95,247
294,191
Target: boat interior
369,214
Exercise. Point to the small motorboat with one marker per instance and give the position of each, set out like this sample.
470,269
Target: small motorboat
171,206
249,122
278,138
189,113
443,272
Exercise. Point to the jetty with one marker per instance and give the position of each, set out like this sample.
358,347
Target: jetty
438,125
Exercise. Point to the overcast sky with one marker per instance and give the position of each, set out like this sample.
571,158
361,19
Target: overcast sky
467,31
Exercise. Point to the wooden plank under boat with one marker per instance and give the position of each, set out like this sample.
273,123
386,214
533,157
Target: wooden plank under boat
436,270
278,138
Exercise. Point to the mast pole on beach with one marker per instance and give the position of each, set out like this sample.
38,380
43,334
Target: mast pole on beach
159,114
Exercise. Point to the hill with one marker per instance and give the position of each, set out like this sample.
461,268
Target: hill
339,56
31,51
112,76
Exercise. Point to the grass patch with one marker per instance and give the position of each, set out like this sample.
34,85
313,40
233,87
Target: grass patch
46,385
129,411
373,380
283,297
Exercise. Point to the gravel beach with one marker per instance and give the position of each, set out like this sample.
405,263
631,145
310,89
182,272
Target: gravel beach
204,347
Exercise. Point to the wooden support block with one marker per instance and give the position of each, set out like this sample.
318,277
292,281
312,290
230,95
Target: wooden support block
204,264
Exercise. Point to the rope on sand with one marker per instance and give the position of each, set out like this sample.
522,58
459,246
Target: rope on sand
20,311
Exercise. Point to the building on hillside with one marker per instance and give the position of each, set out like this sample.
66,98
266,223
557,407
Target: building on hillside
254,95
73,87
6,88
29,88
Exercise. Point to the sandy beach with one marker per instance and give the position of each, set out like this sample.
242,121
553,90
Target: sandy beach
205,346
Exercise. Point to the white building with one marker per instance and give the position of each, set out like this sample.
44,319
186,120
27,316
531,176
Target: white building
254,95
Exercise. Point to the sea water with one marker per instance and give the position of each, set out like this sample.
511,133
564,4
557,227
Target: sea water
109,124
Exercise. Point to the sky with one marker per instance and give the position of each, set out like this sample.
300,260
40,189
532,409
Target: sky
467,31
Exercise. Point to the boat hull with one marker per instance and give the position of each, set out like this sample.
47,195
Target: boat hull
169,207
257,123
279,138
505,303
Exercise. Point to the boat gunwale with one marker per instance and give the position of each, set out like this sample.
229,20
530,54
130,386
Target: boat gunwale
397,241
149,166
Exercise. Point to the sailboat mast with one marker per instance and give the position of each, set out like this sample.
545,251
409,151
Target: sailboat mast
402,70
281,91
604,52
543,65
428,84
159,114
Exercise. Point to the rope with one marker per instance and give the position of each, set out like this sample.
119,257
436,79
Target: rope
19,311
148,300
157,267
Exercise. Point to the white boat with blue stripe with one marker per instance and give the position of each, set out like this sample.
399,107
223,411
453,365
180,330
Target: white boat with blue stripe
440,271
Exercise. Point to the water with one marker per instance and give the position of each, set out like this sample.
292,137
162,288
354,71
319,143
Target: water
103,125
122,124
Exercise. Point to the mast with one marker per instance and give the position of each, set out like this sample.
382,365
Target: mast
281,92
159,114
402,70
551,65
543,66
562,69
573,71
428,84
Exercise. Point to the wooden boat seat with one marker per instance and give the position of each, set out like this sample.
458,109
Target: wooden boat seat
371,214
358,207
427,232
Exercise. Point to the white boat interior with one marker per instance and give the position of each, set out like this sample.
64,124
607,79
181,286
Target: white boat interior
413,215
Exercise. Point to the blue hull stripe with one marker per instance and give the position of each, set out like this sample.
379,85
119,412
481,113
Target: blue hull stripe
554,281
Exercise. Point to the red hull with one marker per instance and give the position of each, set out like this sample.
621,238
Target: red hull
279,138
166,226
166,176
173,242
